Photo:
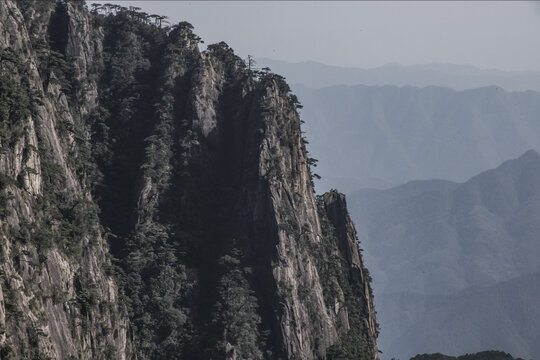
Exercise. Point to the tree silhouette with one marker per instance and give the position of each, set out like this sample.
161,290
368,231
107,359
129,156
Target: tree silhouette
251,62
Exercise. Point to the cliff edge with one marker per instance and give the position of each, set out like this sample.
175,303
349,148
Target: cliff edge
157,200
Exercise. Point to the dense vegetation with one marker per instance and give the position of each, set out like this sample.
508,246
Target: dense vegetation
119,151
189,220
337,274
146,75
484,355
188,285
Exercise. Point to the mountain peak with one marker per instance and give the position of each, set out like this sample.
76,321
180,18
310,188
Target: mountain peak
530,155
528,160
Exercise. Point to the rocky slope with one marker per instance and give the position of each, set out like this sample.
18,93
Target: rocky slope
157,201
57,297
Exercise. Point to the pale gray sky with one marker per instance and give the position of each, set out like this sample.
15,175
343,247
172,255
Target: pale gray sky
487,34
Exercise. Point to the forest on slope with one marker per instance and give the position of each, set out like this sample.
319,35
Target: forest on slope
157,201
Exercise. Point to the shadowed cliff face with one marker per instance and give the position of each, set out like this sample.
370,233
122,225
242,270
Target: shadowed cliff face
122,140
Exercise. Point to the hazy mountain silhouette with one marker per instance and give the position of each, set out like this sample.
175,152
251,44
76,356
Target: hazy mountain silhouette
450,262
440,237
503,317
377,137
459,77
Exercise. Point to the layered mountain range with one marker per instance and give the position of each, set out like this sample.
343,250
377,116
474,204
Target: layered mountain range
384,136
460,77
156,201
455,266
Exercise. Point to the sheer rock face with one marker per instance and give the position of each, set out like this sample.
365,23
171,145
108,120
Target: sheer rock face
336,209
196,169
54,301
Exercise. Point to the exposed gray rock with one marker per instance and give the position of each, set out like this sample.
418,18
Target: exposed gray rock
194,170
41,312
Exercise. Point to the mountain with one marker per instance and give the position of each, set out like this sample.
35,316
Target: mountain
504,316
156,201
451,262
383,136
459,77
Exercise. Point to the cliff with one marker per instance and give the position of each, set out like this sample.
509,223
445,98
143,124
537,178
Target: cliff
157,201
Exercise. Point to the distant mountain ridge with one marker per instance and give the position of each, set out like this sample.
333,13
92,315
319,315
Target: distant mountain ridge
459,77
441,230
455,266
484,355
503,316
382,136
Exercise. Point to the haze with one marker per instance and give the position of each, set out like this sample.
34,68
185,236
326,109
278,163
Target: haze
501,35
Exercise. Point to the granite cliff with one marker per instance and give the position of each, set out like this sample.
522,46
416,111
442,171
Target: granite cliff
157,201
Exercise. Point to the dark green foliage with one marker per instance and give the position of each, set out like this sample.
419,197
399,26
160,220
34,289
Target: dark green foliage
156,284
79,219
173,276
35,12
268,79
172,201
87,296
109,352
63,225
132,138
64,73
183,30
9,57
236,311
312,162
274,166
437,356
12,299
484,355
295,101
63,221
5,182
226,56
335,273
328,260
58,28
6,351
53,65
132,51
15,108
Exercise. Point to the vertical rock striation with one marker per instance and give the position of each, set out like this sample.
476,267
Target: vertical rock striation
58,300
123,140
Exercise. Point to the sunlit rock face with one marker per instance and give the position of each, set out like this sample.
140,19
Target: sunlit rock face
156,201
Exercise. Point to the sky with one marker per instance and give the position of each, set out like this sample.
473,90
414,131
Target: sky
501,35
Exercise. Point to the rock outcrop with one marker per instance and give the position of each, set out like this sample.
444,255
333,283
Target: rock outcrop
57,297
157,201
